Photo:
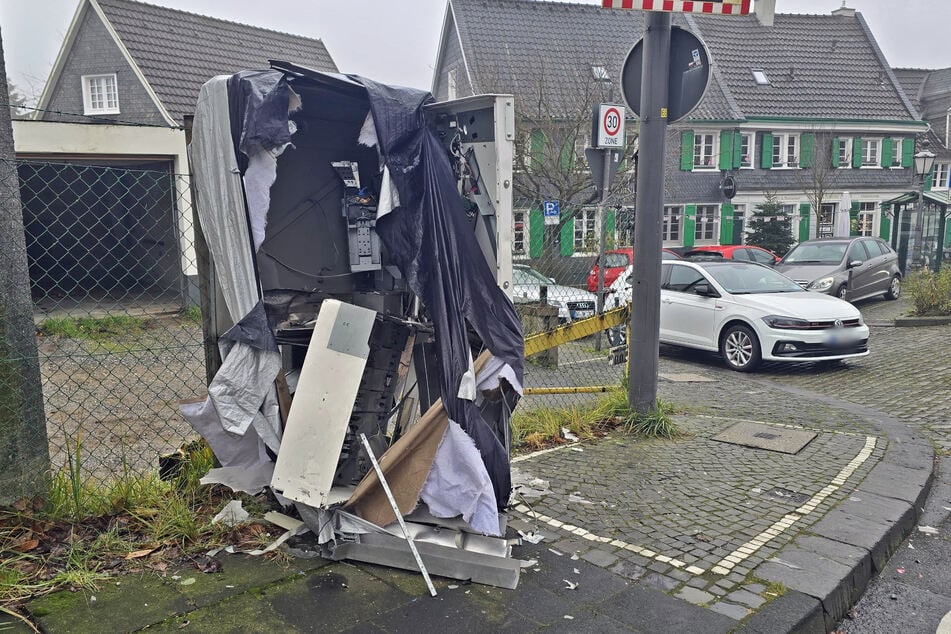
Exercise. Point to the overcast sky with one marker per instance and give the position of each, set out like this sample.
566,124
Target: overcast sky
395,41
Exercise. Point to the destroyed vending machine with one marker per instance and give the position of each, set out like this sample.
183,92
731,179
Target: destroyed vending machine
359,238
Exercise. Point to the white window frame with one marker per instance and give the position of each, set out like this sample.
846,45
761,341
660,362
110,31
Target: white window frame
747,156
705,224
896,154
845,152
941,174
672,223
785,150
866,218
585,234
520,235
703,141
87,85
871,153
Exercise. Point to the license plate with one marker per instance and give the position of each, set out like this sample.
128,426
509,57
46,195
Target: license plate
581,314
583,305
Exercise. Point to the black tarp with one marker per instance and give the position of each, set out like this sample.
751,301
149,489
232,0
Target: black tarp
431,241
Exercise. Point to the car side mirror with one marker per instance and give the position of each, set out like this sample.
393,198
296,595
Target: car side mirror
855,263
705,290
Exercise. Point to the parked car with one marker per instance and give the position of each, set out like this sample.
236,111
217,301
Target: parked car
744,252
823,265
615,261
572,303
750,313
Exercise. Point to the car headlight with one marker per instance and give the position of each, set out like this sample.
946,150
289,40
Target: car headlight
821,284
786,323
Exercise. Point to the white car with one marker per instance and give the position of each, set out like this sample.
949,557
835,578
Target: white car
572,303
750,313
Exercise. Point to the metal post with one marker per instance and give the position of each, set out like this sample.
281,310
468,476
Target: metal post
645,287
602,242
939,251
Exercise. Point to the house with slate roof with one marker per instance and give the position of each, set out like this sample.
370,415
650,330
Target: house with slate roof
114,110
808,91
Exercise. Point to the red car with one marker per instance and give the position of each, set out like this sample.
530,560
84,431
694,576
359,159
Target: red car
744,252
615,261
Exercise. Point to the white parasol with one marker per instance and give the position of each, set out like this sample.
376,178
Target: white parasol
843,223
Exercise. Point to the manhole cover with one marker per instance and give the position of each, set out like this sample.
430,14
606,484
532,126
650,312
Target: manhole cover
763,437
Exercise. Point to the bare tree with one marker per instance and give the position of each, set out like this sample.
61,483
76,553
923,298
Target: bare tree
821,177
18,104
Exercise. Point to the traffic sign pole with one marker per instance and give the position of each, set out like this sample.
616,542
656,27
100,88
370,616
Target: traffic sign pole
648,241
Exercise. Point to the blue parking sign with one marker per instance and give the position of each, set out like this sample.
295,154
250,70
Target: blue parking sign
551,211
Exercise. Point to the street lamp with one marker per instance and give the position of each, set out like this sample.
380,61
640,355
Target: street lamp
924,162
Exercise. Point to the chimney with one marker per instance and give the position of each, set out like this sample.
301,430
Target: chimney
764,11
844,11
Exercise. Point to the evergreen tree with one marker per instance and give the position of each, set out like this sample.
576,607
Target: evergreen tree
770,227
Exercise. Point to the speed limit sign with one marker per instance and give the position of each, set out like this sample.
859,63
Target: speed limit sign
608,126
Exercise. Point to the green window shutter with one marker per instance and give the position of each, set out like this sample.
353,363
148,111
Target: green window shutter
807,149
907,152
726,223
885,227
567,155
567,240
690,224
686,150
887,152
835,151
737,150
610,223
536,233
538,148
854,219
857,152
726,149
766,160
805,216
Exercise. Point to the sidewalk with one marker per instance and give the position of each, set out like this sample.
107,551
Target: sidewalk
690,535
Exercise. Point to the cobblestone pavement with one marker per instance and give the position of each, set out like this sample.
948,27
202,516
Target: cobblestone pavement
694,516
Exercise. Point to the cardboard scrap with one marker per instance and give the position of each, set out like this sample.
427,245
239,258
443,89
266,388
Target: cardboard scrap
405,465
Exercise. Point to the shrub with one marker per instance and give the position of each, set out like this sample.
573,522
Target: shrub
930,292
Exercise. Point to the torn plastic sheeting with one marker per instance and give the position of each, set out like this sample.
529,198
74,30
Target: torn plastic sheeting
232,514
458,483
231,449
429,238
258,104
247,374
254,330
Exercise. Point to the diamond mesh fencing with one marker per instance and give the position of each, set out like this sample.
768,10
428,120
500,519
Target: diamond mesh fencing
556,252
113,281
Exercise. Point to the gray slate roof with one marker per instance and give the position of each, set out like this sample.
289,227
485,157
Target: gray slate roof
179,51
820,66
912,80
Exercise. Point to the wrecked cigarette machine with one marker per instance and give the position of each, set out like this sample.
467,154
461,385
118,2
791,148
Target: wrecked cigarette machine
360,241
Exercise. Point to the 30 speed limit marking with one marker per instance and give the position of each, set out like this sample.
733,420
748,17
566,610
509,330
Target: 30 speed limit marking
610,126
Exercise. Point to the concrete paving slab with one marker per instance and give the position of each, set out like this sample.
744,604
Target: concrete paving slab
767,437
647,610
902,483
792,612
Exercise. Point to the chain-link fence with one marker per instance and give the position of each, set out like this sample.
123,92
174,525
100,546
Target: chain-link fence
113,282
557,254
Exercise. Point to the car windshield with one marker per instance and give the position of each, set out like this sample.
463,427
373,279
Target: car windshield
817,253
746,279
528,276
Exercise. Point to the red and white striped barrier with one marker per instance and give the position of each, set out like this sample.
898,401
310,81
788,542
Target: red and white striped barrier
721,7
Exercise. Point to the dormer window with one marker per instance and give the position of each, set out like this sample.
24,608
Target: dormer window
759,76
100,94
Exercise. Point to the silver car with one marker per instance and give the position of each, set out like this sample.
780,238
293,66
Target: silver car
849,268
572,303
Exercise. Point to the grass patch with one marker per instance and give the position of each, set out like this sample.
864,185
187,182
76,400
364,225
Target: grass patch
542,427
191,314
774,590
80,532
93,328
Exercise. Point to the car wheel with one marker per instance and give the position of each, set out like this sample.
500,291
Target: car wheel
740,348
894,289
842,292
